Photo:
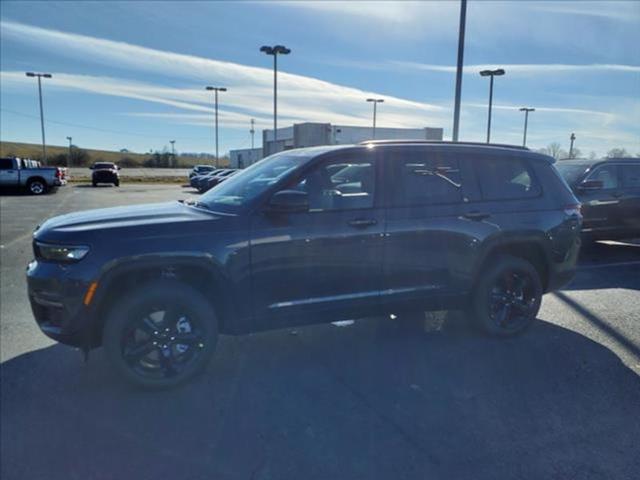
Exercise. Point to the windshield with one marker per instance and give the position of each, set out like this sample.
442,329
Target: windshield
571,172
100,166
233,194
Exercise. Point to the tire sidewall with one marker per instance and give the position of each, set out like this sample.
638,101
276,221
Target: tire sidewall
37,182
119,317
480,304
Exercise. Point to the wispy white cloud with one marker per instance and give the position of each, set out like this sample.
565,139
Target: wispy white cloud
250,88
520,69
625,11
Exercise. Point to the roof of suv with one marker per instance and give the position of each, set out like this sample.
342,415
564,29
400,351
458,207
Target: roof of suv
442,143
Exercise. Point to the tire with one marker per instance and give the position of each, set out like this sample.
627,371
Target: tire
117,183
507,297
37,187
143,345
95,184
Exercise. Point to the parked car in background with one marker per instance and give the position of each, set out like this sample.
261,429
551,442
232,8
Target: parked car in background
609,191
211,181
25,173
105,172
201,169
429,226
194,181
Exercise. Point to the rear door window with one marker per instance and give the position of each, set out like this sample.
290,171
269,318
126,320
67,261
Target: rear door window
630,176
505,179
423,178
607,174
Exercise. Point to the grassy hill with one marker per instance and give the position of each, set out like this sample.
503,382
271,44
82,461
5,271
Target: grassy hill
56,153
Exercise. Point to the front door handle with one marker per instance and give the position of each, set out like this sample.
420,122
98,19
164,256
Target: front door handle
363,222
476,216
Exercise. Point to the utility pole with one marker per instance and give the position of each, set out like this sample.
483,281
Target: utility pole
275,51
216,90
491,73
173,152
572,138
375,102
39,76
252,131
526,118
456,106
69,163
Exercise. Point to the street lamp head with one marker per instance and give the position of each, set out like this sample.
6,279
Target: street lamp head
376,100
30,74
47,75
222,89
488,73
282,50
209,88
266,49
525,109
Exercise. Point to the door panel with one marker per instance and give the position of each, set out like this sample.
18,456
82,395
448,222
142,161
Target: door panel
324,264
426,244
630,198
600,207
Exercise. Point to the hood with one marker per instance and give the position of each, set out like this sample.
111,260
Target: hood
147,216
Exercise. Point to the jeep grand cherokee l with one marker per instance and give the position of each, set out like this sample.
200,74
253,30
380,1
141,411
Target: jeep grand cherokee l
293,240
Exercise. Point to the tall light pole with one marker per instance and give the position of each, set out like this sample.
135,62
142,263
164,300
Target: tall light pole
491,73
375,102
275,51
70,161
173,152
456,105
252,131
216,90
572,138
526,119
39,77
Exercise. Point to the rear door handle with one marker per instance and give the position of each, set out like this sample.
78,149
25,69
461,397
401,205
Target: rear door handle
363,222
476,216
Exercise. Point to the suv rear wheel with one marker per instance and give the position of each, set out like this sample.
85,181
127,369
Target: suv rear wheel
507,298
161,335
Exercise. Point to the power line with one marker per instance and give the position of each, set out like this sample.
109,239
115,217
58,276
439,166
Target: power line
105,130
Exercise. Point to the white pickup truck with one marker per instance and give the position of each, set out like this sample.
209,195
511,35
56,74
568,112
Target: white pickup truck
17,172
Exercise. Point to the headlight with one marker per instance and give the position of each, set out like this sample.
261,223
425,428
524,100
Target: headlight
61,253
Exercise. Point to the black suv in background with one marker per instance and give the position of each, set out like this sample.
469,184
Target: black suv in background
609,191
306,236
105,172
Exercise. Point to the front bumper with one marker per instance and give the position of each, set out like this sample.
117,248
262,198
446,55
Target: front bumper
56,300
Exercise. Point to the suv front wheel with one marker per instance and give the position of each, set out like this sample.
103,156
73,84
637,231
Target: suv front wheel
161,335
507,298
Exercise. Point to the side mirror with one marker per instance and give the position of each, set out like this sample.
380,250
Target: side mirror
289,201
591,185
118,167
91,167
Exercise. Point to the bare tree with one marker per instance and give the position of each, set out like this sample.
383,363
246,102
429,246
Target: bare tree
617,153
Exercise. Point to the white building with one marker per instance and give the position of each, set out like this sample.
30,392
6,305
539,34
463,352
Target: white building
311,134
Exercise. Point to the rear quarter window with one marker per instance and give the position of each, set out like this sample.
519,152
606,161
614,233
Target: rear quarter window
506,178
630,175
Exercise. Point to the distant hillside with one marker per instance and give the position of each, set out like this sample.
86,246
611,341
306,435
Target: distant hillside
58,155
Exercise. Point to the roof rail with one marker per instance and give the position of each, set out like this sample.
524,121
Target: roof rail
440,142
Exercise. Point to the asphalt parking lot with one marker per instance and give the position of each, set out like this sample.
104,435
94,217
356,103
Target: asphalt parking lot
416,397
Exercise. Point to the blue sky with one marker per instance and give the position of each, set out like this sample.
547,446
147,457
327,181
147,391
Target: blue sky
132,74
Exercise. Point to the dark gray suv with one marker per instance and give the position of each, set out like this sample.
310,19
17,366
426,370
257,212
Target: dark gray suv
306,236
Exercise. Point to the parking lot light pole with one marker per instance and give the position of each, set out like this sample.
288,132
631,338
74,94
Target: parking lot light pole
573,139
39,76
173,152
375,102
275,51
526,119
491,73
456,104
216,90
70,161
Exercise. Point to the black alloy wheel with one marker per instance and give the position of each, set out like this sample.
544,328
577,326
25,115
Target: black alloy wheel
161,334
507,296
